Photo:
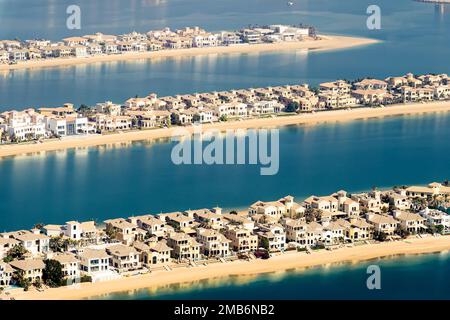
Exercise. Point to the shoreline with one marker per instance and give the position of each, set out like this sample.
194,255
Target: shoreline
332,116
328,42
283,262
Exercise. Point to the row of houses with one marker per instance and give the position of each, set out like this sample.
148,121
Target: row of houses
14,51
151,242
153,111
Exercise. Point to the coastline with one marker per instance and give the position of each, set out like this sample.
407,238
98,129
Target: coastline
326,43
280,263
301,119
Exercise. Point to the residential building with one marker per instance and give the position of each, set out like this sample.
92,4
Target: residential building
124,231
214,244
184,247
382,223
272,235
434,218
31,269
124,258
6,273
70,266
94,261
242,240
35,243
153,253
6,244
409,221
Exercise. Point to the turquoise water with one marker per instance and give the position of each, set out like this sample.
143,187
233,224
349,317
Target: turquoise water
108,182
409,30
410,277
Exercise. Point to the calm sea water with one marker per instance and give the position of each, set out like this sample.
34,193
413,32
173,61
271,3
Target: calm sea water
415,39
411,277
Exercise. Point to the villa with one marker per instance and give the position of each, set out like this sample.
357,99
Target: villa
70,265
6,244
214,244
242,240
274,235
409,221
153,253
382,223
184,246
151,224
436,217
94,261
37,244
357,229
6,272
333,233
85,232
296,231
124,231
31,269
273,209
433,189
123,258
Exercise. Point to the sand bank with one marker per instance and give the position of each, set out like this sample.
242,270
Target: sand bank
280,263
326,43
303,119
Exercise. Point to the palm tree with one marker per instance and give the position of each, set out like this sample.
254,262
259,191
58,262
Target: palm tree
313,214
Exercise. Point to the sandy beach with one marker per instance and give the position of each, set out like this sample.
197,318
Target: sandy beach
280,263
325,43
301,119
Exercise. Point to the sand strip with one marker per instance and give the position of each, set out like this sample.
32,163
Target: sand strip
326,43
280,263
301,119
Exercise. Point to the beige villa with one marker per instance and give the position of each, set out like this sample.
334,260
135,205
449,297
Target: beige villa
242,240
70,265
214,244
124,231
31,269
383,223
184,246
6,272
409,221
153,253
124,258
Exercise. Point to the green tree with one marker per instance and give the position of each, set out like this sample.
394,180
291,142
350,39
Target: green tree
52,274
85,278
19,278
223,118
292,107
84,109
312,214
380,236
440,228
175,119
196,118
16,252
265,243
58,244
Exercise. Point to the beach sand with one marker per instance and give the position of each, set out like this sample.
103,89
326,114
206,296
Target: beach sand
271,122
326,42
279,263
